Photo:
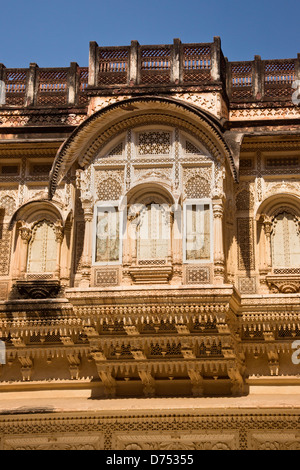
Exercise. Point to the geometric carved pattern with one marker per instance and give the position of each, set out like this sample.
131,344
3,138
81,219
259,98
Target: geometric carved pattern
106,277
245,237
154,143
197,182
191,148
244,200
5,248
197,187
118,150
3,290
197,275
109,190
79,238
247,285
9,204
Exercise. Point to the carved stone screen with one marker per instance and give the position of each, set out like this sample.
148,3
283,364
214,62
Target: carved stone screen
198,232
285,241
107,235
153,233
42,255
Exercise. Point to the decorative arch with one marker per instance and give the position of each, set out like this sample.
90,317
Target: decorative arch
98,129
32,211
278,219
39,230
275,202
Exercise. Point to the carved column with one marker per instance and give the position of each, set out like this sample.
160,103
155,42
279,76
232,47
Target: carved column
25,234
267,226
86,196
59,236
219,258
66,250
87,246
170,216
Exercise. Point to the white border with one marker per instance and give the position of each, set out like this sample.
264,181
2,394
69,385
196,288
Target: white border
108,205
190,202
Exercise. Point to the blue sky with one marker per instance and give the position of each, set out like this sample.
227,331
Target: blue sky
57,32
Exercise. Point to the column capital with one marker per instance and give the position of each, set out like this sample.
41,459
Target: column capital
218,208
267,224
25,231
59,231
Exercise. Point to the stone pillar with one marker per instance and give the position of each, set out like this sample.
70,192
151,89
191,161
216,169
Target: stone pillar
2,67
25,234
216,59
228,79
267,225
258,78
170,216
66,251
176,65
2,86
72,84
133,73
93,64
83,182
31,88
219,258
59,235
87,245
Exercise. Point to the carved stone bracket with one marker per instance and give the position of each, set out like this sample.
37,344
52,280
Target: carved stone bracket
38,289
283,284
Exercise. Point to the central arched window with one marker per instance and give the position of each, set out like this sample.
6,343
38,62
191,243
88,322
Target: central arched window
42,249
285,240
153,233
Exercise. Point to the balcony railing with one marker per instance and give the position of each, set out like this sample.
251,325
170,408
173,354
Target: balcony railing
143,69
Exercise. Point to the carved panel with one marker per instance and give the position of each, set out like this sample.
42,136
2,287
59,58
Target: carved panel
153,173
197,275
154,143
197,182
206,440
274,440
244,200
5,249
60,442
245,236
8,203
247,285
79,238
3,290
106,277
109,184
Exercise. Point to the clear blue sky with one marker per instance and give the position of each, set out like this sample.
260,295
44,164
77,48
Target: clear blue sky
56,32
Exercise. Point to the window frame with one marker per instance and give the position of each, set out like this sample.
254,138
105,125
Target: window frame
108,205
275,216
190,202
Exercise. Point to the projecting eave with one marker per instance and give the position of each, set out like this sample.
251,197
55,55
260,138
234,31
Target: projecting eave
100,127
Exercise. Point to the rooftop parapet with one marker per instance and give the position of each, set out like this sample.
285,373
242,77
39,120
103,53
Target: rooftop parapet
138,69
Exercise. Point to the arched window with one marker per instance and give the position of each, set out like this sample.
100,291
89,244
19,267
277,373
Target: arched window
285,240
42,249
153,233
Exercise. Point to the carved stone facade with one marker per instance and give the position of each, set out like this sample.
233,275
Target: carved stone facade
150,248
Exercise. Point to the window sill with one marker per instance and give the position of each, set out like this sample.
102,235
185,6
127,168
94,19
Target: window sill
151,274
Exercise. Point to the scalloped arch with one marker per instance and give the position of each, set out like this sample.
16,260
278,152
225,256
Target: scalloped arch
93,134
